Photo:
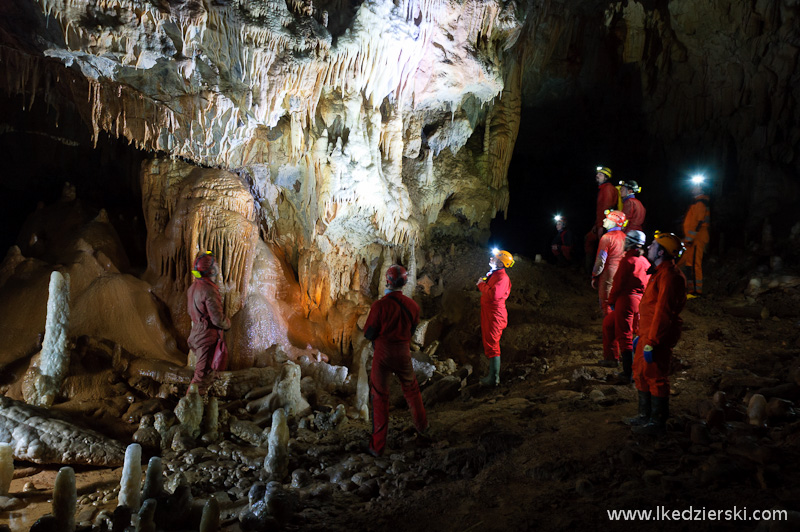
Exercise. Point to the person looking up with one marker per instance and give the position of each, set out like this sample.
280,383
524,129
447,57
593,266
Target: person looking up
659,331
632,207
390,325
622,323
609,253
495,289
607,198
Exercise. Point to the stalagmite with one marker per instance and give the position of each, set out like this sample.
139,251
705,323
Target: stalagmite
362,385
277,461
209,522
154,479
190,411
6,467
131,483
146,516
757,410
211,419
53,361
65,499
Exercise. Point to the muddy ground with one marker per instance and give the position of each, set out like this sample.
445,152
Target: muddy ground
547,449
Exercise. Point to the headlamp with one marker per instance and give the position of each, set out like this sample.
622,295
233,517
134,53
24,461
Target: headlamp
698,179
495,251
557,218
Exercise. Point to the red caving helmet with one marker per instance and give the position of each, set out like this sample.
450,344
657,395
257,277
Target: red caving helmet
618,217
204,265
396,276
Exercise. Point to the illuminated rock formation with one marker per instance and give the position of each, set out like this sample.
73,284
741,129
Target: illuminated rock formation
38,437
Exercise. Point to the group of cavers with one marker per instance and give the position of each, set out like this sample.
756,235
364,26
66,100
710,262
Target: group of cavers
641,294
641,291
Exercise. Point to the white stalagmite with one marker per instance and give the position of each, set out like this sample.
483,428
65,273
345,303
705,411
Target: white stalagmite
277,461
131,483
6,467
65,499
54,358
362,385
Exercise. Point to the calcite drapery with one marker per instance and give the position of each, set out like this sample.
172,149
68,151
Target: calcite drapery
189,210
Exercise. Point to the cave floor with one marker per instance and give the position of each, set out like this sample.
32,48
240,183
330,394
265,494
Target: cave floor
547,449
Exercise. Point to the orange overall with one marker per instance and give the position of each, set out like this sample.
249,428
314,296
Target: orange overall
695,238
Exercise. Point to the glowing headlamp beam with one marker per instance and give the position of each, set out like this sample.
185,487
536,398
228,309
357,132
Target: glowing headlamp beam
557,218
698,179
495,251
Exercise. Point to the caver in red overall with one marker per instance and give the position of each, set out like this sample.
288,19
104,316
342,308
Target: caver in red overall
390,325
208,320
494,316
659,327
609,253
626,293
634,212
607,197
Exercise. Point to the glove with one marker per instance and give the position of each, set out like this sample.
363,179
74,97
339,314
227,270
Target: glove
594,283
648,354
611,307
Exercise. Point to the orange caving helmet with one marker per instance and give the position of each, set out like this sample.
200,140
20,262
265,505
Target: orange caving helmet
504,257
396,276
618,217
204,265
670,242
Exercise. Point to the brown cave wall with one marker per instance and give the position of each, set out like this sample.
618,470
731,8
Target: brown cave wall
659,90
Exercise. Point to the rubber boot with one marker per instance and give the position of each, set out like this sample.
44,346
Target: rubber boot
643,417
493,378
627,365
658,418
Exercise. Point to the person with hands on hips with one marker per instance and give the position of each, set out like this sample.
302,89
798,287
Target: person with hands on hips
495,288
659,331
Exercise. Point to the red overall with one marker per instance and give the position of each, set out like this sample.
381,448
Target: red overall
634,212
659,327
562,245
626,293
494,317
390,324
695,231
607,197
609,253
208,321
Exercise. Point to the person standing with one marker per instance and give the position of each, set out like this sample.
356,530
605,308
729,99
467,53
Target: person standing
632,207
626,293
390,325
609,253
561,246
204,305
495,289
659,331
695,237
607,199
